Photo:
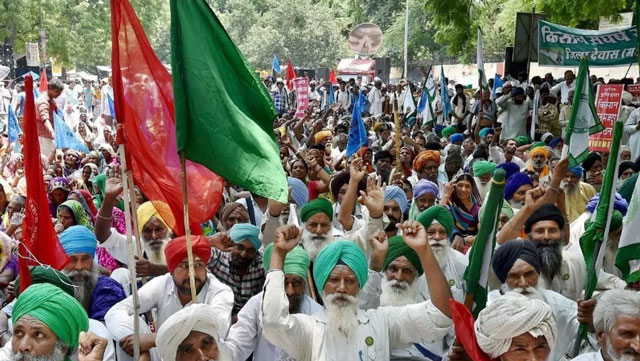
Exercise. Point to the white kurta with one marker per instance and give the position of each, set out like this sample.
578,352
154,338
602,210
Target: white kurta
306,338
591,356
631,130
161,293
514,122
245,336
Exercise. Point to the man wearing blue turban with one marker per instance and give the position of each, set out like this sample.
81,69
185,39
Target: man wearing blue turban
95,292
395,206
576,193
342,331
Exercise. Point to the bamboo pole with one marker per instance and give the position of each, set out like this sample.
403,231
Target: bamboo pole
187,230
396,117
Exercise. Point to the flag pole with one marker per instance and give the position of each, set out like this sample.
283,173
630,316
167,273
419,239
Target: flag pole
396,117
130,251
187,230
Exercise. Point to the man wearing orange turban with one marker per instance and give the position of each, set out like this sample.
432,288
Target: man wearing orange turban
426,165
538,161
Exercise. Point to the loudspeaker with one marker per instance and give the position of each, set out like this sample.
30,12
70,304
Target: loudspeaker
383,69
512,67
322,73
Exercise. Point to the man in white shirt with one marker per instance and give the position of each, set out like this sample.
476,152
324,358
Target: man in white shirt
375,99
343,96
617,323
107,92
565,87
516,108
632,130
498,155
342,332
171,292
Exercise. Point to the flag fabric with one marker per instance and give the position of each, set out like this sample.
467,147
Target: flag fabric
465,331
408,104
13,126
628,256
584,119
444,95
144,105
598,230
224,114
482,82
64,136
534,113
476,275
39,243
291,73
332,96
275,64
112,108
497,83
332,77
637,15
357,131
43,81
425,106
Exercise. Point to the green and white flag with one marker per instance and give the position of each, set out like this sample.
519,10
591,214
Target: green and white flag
628,257
482,82
408,105
584,119
426,103
476,275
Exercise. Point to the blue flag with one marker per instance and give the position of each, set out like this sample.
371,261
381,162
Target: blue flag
357,133
497,83
332,97
275,64
65,138
423,102
444,94
112,109
14,127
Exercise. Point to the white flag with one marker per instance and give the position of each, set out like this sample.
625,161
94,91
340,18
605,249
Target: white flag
534,114
408,104
628,257
480,61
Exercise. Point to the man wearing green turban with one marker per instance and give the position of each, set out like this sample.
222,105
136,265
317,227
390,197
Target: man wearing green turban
57,316
448,131
482,171
340,271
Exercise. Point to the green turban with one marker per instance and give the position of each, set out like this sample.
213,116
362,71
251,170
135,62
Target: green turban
345,251
616,221
295,263
40,274
448,131
60,312
317,205
439,214
398,248
482,167
538,144
522,140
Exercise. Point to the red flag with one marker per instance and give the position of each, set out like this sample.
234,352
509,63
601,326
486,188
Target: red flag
43,81
39,240
332,77
143,99
291,74
465,332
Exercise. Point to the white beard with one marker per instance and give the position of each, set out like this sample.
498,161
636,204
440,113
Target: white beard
533,292
615,356
397,293
516,205
57,354
155,254
223,355
314,243
441,253
341,318
483,188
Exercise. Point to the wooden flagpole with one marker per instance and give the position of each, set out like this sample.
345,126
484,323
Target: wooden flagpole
187,230
396,117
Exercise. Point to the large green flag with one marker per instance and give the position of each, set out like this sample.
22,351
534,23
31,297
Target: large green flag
224,114
584,119
476,275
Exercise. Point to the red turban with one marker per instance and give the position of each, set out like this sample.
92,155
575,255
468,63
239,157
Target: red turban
176,250
423,157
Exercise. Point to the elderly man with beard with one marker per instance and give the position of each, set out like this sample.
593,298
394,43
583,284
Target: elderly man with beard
426,165
576,193
515,190
482,171
233,213
95,292
617,323
246,336
538,157
517,266
342,332
187,336
171,292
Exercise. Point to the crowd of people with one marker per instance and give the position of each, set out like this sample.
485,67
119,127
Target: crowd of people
360,263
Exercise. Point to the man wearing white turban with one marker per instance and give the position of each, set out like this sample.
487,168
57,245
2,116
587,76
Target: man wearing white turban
190,334
515,328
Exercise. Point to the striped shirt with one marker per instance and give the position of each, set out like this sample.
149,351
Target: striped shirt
243,287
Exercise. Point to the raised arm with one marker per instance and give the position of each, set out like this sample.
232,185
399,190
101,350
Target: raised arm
113,189
356,173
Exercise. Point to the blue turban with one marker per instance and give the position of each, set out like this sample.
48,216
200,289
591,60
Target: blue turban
246,231
299,191
619,204
78,239
509,168
577,170
517,91
425,186
395,193
486,131
507,254
555,141
347,252
455,138
514,182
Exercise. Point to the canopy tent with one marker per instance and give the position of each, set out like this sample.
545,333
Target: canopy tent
357,67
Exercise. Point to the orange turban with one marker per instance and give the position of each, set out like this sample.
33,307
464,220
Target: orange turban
176,250
322,134
423,157
538,150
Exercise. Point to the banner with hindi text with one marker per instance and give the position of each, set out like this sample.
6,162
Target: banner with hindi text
563,46
634,89
608,99
302,95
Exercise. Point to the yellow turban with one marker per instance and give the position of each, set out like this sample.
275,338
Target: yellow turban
158,209
538,150
322,134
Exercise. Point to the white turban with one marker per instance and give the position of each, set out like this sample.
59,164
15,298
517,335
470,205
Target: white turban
197,317
510,316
